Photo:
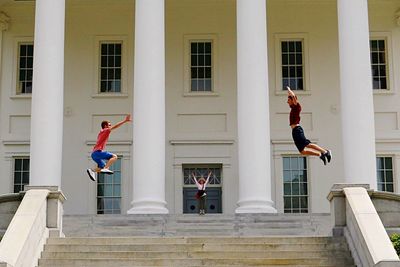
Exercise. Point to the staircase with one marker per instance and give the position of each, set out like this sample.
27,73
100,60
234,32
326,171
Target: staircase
193,240
196,251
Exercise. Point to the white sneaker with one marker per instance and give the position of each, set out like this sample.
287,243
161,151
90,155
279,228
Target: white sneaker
92,174
106,171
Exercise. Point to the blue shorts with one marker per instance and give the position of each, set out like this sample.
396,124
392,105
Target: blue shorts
299,138
100,157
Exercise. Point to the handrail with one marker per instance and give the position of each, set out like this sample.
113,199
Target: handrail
355,217
38,216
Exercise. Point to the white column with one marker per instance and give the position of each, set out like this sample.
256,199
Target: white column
4,23
357,108
47,94
149,110
253,108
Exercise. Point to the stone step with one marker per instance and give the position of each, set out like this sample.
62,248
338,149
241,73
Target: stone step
190,262
186,240
190,224
198,255
195,247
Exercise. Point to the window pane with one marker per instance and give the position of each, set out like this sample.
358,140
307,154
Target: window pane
285,59
208,48
287,176
388,163
111,70
287,189
285,47
287,202
381,177
389,188
389,176
303,189
25,177
201,56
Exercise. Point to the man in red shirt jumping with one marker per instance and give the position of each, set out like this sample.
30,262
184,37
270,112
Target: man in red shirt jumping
302,143
99,155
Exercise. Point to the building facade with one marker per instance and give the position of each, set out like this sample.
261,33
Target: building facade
204,81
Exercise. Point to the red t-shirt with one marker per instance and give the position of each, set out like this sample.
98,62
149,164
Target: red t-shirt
294,117
102,139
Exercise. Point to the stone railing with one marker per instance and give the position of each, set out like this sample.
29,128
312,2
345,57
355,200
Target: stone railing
388,207
9,204
38,216
354,216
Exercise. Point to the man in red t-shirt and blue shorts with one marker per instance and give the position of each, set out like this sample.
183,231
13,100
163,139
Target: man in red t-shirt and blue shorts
304,145
103,158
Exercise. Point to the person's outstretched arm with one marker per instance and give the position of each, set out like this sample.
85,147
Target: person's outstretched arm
127,119
194,178
292,95
208,177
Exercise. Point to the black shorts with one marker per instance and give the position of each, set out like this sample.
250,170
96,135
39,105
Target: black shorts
299,139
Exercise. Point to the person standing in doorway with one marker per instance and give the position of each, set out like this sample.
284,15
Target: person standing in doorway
104,159
304,145
201,192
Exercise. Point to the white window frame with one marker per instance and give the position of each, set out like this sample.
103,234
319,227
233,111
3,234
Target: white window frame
303,37
13,169
121,160
308,184
15,68
187,39
98,40
389,62
393,157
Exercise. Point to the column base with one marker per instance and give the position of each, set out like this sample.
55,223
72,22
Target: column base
255,206
148,207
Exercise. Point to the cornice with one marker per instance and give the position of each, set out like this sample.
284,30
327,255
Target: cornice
4,21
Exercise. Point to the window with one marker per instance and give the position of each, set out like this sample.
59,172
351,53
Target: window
292,64
109,190
201,66
384,169
295,185
202,171
25,68
21,173
379,64
110,67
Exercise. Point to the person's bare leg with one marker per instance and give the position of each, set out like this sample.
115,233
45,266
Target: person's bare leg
111,161
97,169
316,147
310,152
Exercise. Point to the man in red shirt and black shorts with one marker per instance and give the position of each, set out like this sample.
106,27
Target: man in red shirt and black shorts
99,155
304,145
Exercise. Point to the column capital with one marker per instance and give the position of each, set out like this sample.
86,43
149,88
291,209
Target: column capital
4,21
397,17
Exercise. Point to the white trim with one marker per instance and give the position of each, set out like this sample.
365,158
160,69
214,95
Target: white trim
15,66
387,36
394,172
202,142
187,38
278,62
98,40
